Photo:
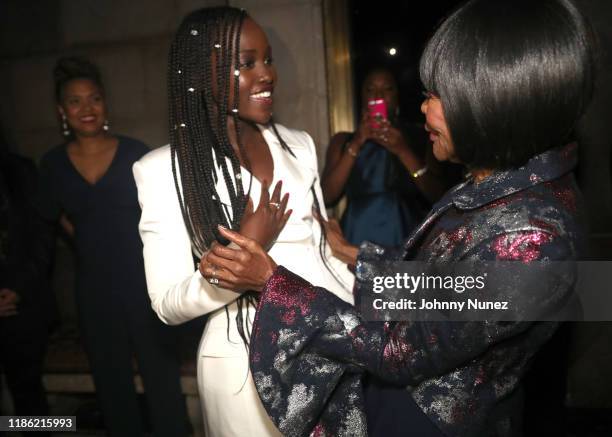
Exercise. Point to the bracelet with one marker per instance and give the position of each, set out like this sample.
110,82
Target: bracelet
420,172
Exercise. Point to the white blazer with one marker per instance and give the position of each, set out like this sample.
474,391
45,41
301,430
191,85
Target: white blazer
178,292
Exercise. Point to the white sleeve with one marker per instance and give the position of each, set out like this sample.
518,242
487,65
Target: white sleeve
177,290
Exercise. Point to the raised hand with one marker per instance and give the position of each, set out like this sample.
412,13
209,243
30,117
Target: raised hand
390,138
268,220
363,133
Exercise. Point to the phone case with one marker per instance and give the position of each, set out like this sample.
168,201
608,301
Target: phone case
378,111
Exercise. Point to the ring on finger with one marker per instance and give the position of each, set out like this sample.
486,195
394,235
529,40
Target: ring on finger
275,205
214,271
213,280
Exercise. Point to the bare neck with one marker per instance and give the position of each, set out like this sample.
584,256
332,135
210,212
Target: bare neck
249,133
90,145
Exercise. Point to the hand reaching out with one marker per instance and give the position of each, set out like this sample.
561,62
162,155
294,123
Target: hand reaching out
246,267
341,249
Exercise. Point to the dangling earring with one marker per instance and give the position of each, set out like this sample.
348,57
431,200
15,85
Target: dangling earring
105,127
65,129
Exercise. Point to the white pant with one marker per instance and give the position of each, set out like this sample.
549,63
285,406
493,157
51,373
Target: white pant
230,404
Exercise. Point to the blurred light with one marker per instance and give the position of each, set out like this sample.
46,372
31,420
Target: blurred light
392,51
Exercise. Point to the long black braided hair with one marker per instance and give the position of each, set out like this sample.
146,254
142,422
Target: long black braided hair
203,62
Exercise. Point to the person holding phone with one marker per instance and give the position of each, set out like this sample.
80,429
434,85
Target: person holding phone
385,168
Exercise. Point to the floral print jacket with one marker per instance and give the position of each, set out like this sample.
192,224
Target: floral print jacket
309,349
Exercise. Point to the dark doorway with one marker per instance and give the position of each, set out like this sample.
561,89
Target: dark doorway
382,25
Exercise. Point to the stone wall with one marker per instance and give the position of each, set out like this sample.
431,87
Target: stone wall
130,42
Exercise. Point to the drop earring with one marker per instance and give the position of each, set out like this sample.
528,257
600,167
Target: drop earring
65,129
105,126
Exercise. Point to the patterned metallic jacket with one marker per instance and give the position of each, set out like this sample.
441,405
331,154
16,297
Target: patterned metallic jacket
309,349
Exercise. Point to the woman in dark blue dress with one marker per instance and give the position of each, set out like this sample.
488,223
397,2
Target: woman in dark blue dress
385,169
87,186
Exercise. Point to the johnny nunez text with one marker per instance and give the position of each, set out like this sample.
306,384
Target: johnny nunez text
435,304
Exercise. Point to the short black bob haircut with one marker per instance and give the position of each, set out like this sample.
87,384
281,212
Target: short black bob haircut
513,76
74,67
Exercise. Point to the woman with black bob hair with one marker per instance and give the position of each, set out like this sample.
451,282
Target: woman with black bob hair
506,82
514,77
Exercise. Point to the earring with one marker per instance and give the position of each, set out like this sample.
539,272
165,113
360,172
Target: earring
65,129
105,127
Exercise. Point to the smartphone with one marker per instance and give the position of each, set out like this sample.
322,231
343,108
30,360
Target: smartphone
378,112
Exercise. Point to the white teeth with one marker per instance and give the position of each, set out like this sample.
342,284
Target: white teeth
262,95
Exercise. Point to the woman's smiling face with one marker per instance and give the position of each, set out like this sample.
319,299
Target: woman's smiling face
84,107
257,74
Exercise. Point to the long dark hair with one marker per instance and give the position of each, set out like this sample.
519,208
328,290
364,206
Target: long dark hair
205,50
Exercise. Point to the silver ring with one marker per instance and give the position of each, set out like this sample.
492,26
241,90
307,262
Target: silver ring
275,205
213,280
214,271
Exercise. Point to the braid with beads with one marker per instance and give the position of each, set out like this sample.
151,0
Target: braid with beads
198,120
205,50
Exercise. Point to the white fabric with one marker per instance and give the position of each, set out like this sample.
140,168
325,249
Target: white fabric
179,293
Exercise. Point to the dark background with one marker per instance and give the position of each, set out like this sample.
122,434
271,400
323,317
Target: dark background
407,25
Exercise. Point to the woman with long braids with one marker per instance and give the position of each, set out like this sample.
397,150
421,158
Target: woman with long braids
224,154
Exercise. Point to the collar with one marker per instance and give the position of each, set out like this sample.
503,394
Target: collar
545,167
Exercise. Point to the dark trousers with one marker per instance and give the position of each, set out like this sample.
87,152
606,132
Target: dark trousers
23,341
392,412
113,334
546,386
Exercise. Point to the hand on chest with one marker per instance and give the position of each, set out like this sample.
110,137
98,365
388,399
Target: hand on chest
297,175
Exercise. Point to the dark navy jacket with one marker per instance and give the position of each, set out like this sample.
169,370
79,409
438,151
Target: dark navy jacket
309,349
